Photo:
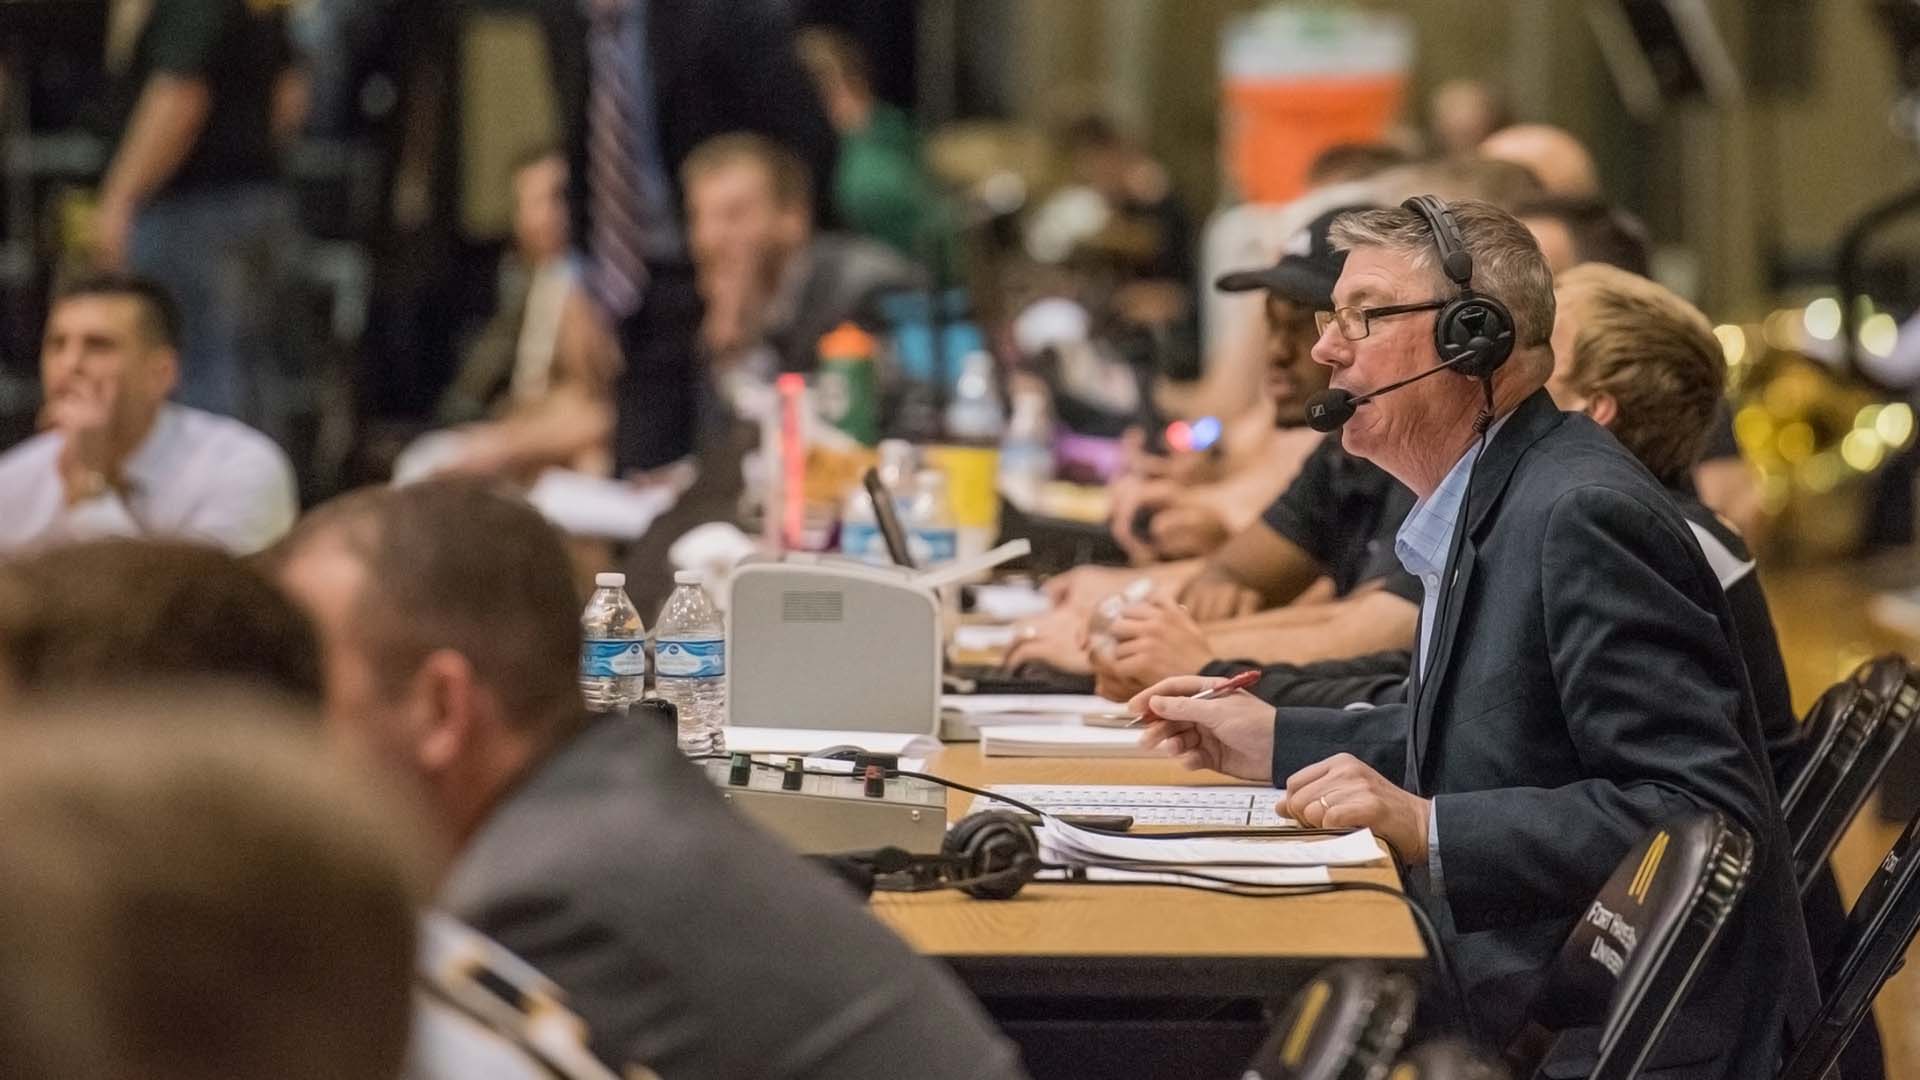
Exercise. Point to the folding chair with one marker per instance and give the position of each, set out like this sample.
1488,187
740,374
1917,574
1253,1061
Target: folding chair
1351,1020
1879,932
1854,731
1629,962
1447,1059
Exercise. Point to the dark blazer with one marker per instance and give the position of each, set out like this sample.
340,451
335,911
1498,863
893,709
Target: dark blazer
718,66
1585,685
694,944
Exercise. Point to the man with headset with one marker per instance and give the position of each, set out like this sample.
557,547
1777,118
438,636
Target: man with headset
1575,679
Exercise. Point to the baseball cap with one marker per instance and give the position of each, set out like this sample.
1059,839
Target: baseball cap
1307,269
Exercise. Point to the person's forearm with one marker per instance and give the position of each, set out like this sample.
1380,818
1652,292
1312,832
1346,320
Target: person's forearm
1373,623
555,432
167,121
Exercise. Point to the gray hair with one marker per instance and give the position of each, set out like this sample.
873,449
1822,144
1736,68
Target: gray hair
1507,264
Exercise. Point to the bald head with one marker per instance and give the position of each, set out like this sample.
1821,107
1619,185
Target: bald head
1558,159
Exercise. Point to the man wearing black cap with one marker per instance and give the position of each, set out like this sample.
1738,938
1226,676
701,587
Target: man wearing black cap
1335,520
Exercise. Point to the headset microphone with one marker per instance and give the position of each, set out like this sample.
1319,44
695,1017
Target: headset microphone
1329,409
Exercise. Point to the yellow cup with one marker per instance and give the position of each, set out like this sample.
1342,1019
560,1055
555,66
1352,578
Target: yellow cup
973,483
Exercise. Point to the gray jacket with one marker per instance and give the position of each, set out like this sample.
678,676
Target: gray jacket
694,944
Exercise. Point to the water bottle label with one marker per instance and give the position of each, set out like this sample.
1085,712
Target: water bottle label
606,658
690,658
931,546
861,541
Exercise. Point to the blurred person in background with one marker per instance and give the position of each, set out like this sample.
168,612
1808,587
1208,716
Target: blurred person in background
691,942
536,388
203,891
772,283
1461,113
114,457
1169,508
208,96
659,80
1575,230
1335,521
880,188
1554,156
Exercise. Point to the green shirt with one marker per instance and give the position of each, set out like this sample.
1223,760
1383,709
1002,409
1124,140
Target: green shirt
879,189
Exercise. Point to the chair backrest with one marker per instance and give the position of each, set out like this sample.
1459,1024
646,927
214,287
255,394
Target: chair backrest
1448,1059
1351,1020
1879,932
1633,955
1860,725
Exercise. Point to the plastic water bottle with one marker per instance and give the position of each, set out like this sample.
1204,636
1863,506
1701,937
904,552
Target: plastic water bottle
613,647
690,663
859,529
1026,457
929,520
974,416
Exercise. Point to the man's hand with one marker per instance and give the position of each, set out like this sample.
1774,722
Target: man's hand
1131,495
1232,734
86,454
1212,596
1152,641
1085,586
1344,792
1186,531
1057,640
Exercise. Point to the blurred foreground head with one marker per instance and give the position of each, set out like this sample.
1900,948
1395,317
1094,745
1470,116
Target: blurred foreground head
193,891
110,613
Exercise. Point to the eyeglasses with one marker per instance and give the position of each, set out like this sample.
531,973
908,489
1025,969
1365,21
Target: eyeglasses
1357,322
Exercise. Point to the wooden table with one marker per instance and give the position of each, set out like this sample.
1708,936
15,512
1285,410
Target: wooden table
1139,980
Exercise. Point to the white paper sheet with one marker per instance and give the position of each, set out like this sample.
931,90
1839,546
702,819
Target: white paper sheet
761,740
1062,740
1029,704
1009,603
1060,842
982,637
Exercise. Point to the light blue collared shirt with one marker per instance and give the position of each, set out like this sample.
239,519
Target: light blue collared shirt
1424,542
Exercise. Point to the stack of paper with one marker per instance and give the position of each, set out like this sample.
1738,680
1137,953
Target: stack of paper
760,740
1262,861
992,710
1062,740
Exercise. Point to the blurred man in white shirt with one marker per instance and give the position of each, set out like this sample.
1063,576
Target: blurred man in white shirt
113,457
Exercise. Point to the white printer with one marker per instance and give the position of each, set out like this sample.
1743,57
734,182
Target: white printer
827,644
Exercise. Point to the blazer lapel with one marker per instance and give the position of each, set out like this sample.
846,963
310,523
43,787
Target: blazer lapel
1529,421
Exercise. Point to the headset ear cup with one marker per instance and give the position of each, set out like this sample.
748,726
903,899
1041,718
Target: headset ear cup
1477,328
993,844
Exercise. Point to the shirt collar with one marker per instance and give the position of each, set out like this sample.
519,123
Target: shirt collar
151,459
1426,536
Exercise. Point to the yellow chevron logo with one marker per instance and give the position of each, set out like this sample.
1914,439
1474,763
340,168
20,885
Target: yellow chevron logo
1312,1001
1649,868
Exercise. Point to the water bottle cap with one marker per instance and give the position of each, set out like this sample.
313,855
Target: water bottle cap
609,580
689,577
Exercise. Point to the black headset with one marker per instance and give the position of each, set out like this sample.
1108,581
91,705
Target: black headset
989,856
1473,333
